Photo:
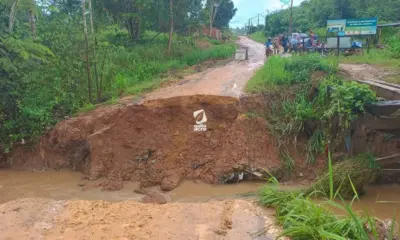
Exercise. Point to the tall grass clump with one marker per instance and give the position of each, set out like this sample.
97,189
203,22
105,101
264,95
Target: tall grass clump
304,219
349,177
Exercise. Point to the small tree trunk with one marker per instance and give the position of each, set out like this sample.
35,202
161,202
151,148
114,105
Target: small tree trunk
32,21
86,50
94,52
12,16
211,15
171,24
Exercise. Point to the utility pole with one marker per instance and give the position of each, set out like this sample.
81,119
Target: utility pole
258,24
291,18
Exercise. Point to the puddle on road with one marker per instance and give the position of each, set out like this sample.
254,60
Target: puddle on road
381,200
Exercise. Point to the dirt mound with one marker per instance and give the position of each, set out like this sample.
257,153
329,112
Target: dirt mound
154,141
49,219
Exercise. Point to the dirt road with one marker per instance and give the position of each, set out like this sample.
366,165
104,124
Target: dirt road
383,81
228,80
50,219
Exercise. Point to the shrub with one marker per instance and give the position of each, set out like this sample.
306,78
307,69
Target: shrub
394,46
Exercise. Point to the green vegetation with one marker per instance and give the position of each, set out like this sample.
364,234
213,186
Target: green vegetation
314,14
377,57
61,57
258,37
308,100
303,218
287,71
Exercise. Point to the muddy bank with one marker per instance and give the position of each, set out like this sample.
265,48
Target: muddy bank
155,143
50,219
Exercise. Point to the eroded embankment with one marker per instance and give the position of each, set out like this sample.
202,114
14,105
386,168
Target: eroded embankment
155,143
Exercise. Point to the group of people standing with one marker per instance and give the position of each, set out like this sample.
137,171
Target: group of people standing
292,42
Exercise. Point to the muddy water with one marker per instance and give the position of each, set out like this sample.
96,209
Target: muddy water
382,201
67,185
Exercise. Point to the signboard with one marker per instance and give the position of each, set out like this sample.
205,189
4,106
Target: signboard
362,26
336,25
348,27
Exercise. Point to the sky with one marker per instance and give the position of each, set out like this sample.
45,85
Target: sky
250,8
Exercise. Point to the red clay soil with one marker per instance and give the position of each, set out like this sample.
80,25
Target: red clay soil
155,143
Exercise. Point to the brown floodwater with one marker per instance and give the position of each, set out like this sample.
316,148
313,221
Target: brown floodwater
67,185
382,201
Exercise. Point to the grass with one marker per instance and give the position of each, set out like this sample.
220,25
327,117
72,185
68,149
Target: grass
270,74
87,108
388,57
302,218
279,71
258,37
375,57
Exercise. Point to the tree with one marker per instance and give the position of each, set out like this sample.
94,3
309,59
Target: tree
224,14
89,80
94,51
12,16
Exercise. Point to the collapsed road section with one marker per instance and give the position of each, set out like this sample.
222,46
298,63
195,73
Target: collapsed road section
158,143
